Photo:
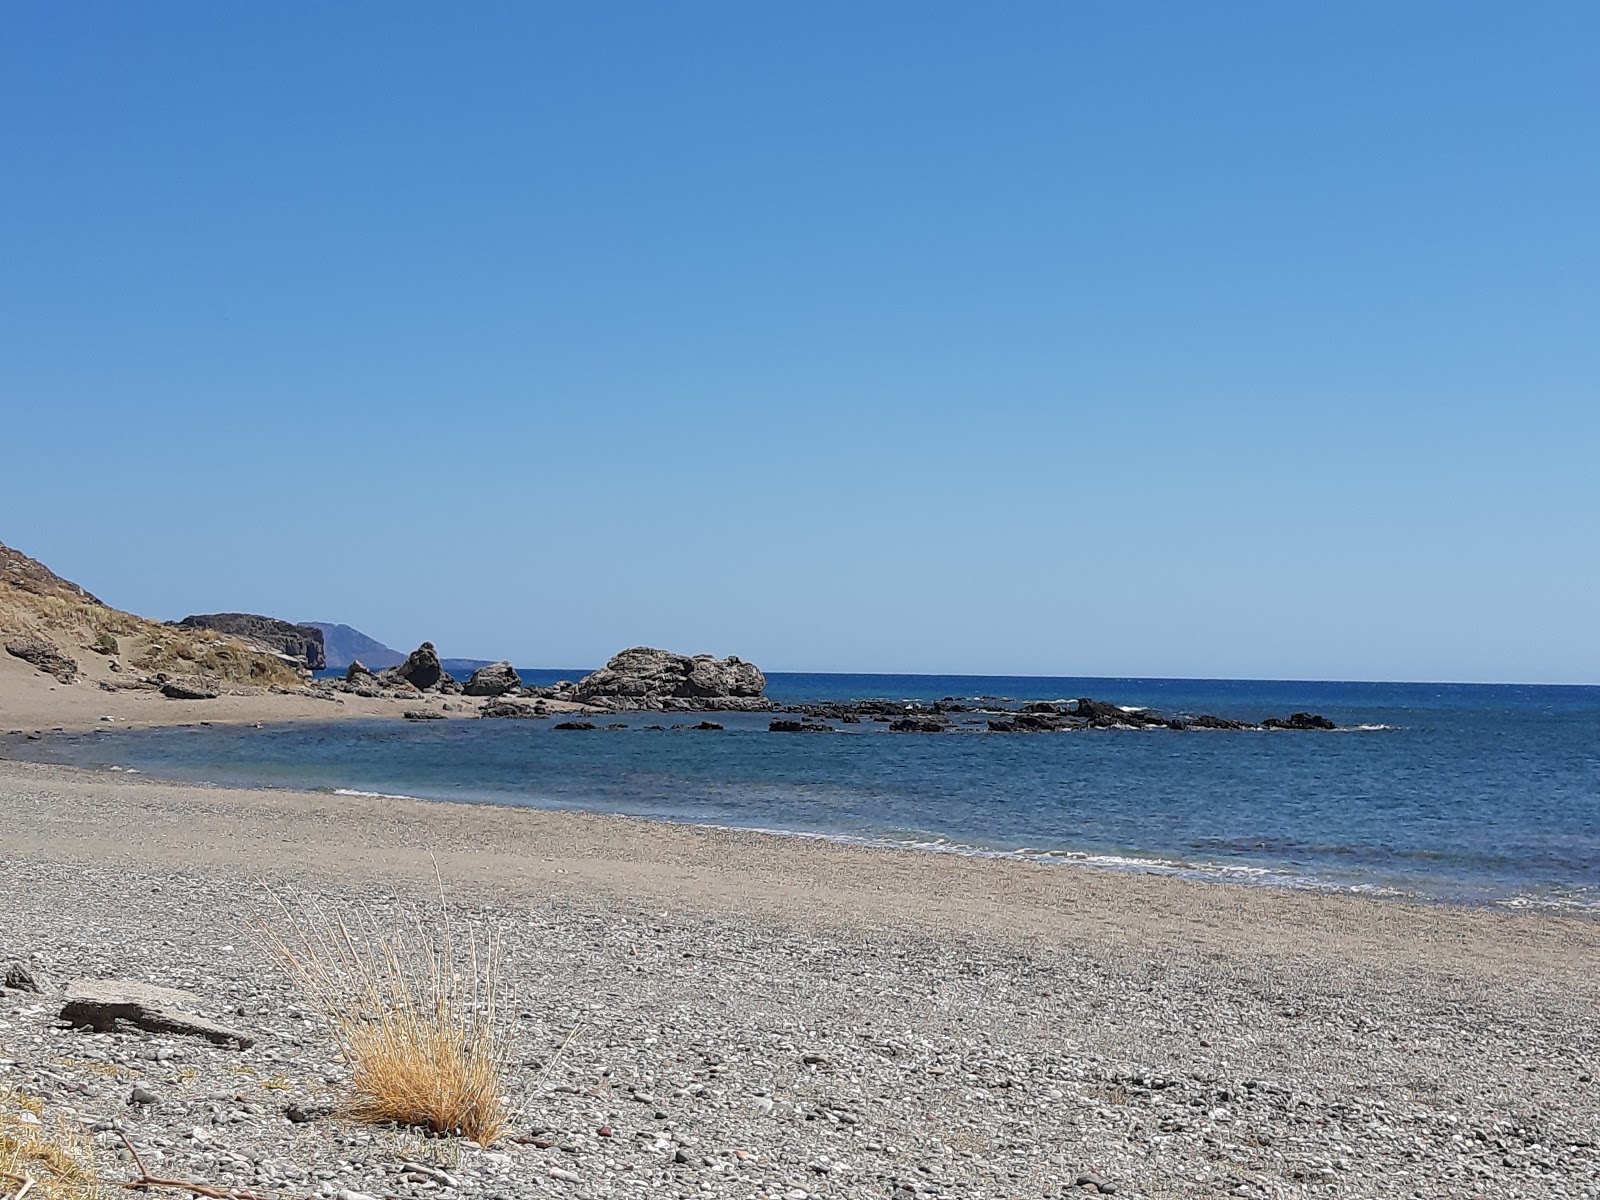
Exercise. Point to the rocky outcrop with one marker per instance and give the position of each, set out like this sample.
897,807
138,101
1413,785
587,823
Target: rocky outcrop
344,645
497,679
301,642
41,654
1299,720
422,714
787,725
658,680
420,670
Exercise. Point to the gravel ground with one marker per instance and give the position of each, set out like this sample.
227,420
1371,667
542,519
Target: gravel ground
915,1028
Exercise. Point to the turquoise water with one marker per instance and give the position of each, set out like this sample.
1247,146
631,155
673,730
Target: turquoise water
1461,793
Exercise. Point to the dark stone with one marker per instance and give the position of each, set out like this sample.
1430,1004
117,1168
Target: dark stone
708,725
513,710
303,1113
1299,720
574,725
1207,721
496,679
302,642
918,725
421,670
617,725
181,689
105,1004
20,977
786,725
41,654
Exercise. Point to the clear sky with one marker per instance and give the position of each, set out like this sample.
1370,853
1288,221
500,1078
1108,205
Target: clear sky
1210,339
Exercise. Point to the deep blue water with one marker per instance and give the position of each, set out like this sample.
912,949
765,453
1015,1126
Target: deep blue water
1463,793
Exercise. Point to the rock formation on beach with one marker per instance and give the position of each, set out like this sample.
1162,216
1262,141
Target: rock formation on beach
421,670
497,679
643,678
302,642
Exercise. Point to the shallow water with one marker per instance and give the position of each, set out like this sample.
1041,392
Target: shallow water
1463,793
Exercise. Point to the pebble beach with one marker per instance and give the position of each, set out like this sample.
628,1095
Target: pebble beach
706,1013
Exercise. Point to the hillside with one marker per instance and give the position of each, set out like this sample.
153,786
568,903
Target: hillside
343,645
42,614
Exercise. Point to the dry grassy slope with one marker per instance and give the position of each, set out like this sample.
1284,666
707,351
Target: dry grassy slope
35,601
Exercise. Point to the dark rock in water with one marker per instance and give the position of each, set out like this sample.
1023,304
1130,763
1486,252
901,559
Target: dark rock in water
918,725
1029,722
574,725
1299,720
41,654
188,689
421,670
1100,714
1207,721
514,710
422,714
643,678
785,725
708,725
494,680
105,1004
1040,706
617,725
302,642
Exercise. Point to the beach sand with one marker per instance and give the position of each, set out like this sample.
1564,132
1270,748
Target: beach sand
754,1015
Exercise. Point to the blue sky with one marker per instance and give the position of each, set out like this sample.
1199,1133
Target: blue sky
1161,339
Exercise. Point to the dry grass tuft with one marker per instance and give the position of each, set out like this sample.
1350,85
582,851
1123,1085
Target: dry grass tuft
42,1160
416,1016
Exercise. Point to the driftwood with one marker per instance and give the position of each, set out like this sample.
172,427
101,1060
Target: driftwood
146,1181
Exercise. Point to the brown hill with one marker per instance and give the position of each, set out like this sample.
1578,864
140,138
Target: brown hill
41,612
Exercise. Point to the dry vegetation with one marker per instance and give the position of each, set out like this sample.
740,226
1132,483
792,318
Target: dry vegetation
43,1159
415,1014
35,601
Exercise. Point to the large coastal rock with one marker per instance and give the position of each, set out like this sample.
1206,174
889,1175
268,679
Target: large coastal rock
658,680
41,654
303,642
494,680
422,670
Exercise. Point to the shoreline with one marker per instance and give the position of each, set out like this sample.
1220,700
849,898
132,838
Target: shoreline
1151,863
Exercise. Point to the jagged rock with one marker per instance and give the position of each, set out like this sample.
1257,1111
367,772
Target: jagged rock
358,673
302,642
786,725
1028,722
421,670
574,725
918,725
494,680
422,714
41,654
514,710
188,689
644,678
1299,720
104,1004
704,725
20,977
1207,721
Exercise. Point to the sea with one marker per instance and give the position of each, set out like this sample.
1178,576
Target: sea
1484,795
